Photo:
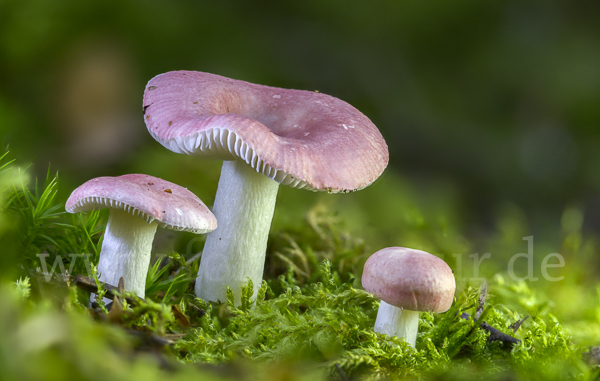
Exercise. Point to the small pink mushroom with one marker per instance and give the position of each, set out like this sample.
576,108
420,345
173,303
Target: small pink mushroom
407,281
138,205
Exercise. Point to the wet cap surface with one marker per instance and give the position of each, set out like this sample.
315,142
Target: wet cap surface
153,199
299,138
412,279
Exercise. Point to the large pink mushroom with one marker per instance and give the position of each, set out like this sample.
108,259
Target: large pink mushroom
138,205
266,136
407,281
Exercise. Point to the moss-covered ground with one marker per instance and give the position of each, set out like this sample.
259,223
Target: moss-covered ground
311,319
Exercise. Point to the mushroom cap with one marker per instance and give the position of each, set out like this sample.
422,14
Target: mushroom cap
412,279
303,139
153,199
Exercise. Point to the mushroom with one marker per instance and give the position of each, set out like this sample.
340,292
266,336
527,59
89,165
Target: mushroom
407,281
138,205
266,136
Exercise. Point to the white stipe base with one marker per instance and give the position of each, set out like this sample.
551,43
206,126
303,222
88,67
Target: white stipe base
394,321
236,250
126,251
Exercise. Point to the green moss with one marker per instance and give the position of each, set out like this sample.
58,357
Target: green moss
310,320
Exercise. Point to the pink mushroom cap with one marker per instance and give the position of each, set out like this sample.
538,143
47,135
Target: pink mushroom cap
299,138
411,279
153,199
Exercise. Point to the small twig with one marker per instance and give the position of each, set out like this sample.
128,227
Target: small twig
495,334
88,284
341,372
116,309
516,325
121,285
481,301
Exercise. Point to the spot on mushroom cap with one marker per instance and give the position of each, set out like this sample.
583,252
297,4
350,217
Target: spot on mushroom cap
303,139
412,279
153,199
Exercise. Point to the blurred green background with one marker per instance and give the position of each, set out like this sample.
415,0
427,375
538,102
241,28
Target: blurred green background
490,109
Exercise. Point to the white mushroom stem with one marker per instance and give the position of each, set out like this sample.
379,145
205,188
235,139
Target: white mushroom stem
394,321
236,250
126,251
